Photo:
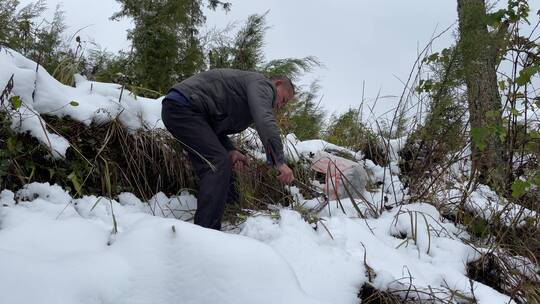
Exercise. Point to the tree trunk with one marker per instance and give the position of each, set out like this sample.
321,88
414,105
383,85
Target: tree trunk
479,63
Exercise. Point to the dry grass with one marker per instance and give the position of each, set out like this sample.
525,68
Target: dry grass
104,160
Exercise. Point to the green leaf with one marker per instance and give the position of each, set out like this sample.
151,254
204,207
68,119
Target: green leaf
479,227
432,58
537,179
51,172
519,187
493,114
479,137
502,85
495,17
16,102
500,131
425,85
12,144
4,166
526,74
537,102
515,112
73,103
75,181
534,134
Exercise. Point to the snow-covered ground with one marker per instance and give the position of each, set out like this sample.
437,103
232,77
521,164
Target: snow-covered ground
87,102
478,199
57,249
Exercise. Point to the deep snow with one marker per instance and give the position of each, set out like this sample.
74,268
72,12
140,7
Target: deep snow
57,249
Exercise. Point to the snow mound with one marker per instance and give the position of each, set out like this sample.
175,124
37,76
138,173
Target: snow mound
486,204
88,102
51,252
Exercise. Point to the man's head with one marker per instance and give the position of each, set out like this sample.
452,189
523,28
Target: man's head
284,90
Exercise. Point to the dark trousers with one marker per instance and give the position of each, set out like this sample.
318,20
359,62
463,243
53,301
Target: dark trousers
208,157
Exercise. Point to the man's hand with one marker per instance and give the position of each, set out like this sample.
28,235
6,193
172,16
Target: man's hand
238,160
285,174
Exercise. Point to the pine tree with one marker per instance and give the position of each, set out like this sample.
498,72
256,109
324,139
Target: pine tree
348,130
19,27
305,114
166,46
244,51
48,46
26,32
7,19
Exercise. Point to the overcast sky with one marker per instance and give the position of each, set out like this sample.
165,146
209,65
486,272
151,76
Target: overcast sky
357,40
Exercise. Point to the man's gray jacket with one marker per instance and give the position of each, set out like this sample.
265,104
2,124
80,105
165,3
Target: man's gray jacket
233,100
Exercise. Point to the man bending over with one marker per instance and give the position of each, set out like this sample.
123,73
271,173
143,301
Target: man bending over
204,109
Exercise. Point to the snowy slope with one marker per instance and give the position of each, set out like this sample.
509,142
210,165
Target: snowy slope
66,251
57,249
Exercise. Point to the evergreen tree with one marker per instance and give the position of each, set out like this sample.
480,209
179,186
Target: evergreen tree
302,116
345,129
24,25
245,52
348,130
105,66
8,20
305,114
48,46
166,46
24,31
248,52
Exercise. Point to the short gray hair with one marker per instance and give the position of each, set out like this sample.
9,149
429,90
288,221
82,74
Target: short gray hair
286,80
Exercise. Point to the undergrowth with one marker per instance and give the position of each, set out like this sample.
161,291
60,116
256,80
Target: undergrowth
104,159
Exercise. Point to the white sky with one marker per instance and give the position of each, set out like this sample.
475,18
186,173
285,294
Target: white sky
356,40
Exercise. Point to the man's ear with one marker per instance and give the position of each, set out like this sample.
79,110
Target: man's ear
278,83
